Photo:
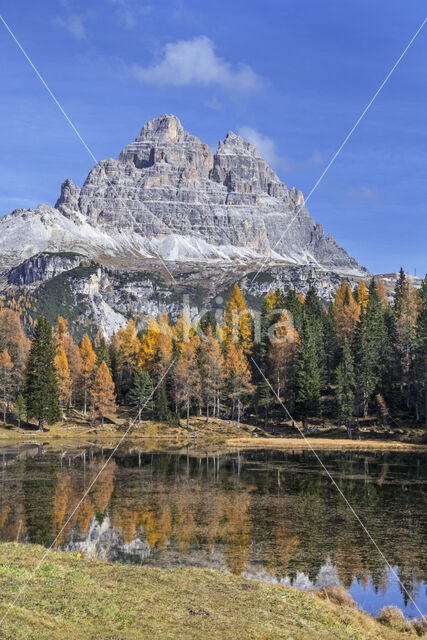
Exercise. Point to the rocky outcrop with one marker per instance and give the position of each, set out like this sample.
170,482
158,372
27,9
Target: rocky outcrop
41,267
215,219
166,194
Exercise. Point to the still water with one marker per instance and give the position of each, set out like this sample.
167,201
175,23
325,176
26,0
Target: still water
266,515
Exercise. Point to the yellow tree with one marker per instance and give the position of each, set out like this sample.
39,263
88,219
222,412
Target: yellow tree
60,330
149,344
63,377
362,295
104,398
238,377
382,292
163,356
212,372
346,312
183,328
13,338
128,354
187,378
281,354
88,357
6,383
238,321
74,360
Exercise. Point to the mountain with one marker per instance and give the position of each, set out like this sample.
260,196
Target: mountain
169,216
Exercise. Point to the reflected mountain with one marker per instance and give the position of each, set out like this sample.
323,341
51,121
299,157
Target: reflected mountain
270,516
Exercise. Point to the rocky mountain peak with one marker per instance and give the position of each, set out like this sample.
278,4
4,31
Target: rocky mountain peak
166,194
234,144
166,128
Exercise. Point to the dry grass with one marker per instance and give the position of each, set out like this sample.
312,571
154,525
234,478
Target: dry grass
84,599
318,444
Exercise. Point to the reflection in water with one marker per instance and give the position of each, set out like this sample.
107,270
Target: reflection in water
267,515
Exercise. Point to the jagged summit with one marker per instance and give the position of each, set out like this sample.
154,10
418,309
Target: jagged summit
166,128
167,194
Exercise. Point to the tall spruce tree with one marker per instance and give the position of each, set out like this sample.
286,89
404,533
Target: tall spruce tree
308,376
372,351
345,387
41,387
141,394
420,363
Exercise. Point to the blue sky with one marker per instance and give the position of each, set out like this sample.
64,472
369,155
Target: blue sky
293,76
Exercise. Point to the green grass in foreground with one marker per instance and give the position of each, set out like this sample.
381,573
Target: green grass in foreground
76,598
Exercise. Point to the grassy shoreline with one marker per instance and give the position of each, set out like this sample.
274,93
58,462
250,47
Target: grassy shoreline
221,434
78,598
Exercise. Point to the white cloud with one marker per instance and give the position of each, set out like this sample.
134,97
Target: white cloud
74,25
364,192
266,146
194,61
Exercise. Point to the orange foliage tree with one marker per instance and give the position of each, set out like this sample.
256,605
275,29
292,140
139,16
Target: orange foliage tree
88,357
104,398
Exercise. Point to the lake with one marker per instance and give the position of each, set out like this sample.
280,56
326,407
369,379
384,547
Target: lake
267,515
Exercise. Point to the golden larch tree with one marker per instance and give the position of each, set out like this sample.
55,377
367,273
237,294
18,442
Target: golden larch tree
149,344
238,323
281,354
346,312
88,358
362,295
63,377
187,378
238,377
103,395
6,381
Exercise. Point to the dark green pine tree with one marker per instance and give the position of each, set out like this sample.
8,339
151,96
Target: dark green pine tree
420,363
307,377
41,389
399,291
345,387
141,394
296,307
102,354
373,354
316,314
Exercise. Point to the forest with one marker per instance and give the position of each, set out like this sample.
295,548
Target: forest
359,358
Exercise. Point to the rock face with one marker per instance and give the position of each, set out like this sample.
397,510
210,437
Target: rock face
167,195
164,220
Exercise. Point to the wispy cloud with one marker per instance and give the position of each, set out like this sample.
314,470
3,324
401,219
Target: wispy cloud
188,62
128,12
369,193
73,24
266,146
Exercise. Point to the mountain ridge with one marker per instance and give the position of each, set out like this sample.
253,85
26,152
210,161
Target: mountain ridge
167,195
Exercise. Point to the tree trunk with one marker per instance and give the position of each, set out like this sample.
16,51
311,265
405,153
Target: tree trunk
84,409
207,413
139,414
238,412
102,421
188,414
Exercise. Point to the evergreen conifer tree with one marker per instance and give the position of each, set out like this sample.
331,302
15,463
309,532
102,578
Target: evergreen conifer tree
141,393
307,377
345,386
41,388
